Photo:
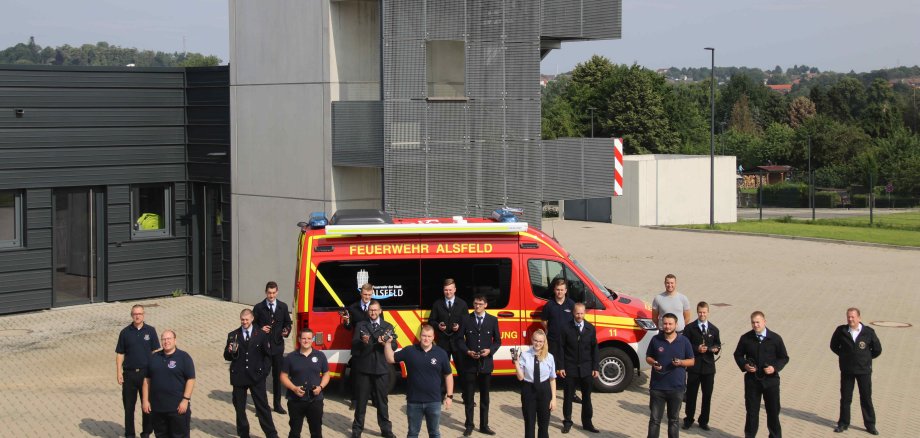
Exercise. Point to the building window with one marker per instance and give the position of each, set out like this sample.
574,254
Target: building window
10,219
446,60
151,211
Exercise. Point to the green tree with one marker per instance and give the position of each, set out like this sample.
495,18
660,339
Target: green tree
635,110
881,117
742,118
846,99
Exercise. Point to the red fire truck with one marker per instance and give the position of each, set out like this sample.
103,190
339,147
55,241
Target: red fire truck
406,260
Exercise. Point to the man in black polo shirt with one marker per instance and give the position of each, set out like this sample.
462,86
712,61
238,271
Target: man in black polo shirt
427,365
305,374
136,343
167,391
556,314
669,354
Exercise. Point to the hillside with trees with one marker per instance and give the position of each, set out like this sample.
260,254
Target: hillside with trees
100,54
859,124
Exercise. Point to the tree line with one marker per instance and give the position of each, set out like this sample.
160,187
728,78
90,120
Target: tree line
858,125
100,54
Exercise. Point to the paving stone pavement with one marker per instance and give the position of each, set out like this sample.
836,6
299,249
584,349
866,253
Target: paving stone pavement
59,378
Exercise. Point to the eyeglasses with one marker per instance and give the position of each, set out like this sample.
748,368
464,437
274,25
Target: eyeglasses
137,314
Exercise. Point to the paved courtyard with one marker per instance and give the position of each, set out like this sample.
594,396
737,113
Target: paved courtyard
59,378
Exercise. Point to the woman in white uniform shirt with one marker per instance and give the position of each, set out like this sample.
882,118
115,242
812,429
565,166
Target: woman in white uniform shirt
536,368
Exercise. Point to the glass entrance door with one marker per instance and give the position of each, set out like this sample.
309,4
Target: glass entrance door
75,245
209,242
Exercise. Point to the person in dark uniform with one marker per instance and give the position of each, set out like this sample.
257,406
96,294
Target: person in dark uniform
536,369
480,340
167,391
761,355
556,315
427,367
372,370
247,350
669,353
704,337
855,346
579,350
305,374
274,319
446,315
351,317
136,343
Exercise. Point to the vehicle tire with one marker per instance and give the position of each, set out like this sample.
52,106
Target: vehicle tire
616,370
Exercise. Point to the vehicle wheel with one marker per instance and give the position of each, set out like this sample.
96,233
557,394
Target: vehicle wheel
616,370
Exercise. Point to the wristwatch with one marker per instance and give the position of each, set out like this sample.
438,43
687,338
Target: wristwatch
450,396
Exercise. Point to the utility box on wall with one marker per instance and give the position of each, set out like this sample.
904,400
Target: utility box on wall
674,190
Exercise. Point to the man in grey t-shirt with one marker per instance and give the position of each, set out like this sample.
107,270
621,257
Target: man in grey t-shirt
671,301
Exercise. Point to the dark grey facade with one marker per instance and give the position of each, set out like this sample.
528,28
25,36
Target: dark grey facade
89,151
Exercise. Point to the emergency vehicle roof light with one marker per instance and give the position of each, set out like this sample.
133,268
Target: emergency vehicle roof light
507,214
318,220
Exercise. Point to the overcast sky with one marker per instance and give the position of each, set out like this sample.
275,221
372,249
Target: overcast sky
839,35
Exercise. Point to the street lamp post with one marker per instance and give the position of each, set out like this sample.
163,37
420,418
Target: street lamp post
712,137
811,182
591,108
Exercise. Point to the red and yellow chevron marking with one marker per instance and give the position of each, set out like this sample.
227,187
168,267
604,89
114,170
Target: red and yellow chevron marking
534,237
303,276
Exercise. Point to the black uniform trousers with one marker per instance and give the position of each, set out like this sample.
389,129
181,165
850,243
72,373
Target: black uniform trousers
131,389
587,410
375,385
312,411
171,424
277,360
260,400
470,382
695,381
754,389
865,398
535,398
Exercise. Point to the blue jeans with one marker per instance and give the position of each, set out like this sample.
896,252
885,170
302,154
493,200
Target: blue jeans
657,401
432,413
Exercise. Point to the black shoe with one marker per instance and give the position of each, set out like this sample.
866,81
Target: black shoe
468,431
704,426
566,428
591,429
840,428
389,435
576,399
687,423
872,430
486,430
280,410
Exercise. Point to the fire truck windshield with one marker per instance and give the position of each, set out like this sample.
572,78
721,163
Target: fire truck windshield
597,284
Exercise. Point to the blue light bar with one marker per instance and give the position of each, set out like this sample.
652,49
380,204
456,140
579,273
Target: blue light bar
318,220
507,214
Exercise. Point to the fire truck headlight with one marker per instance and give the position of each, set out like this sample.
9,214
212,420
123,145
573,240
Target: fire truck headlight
646,324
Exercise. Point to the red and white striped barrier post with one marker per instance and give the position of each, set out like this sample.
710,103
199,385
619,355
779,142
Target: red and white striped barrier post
618,167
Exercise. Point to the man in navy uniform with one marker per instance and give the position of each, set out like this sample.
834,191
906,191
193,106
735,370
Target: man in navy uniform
305,374
136,343
761,355
579,350
274,319
167,391
427,368
704,337
855,346
556,315
372,370
446,315
351,317
479,342
247,350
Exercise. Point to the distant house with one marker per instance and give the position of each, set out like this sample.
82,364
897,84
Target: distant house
775,174
781,88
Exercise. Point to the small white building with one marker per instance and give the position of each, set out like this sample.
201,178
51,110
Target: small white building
674,190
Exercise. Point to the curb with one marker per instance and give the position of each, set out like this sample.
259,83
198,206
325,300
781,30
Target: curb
782,236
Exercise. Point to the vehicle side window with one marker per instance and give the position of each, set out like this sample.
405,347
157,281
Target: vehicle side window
489,277
396,283
543,272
